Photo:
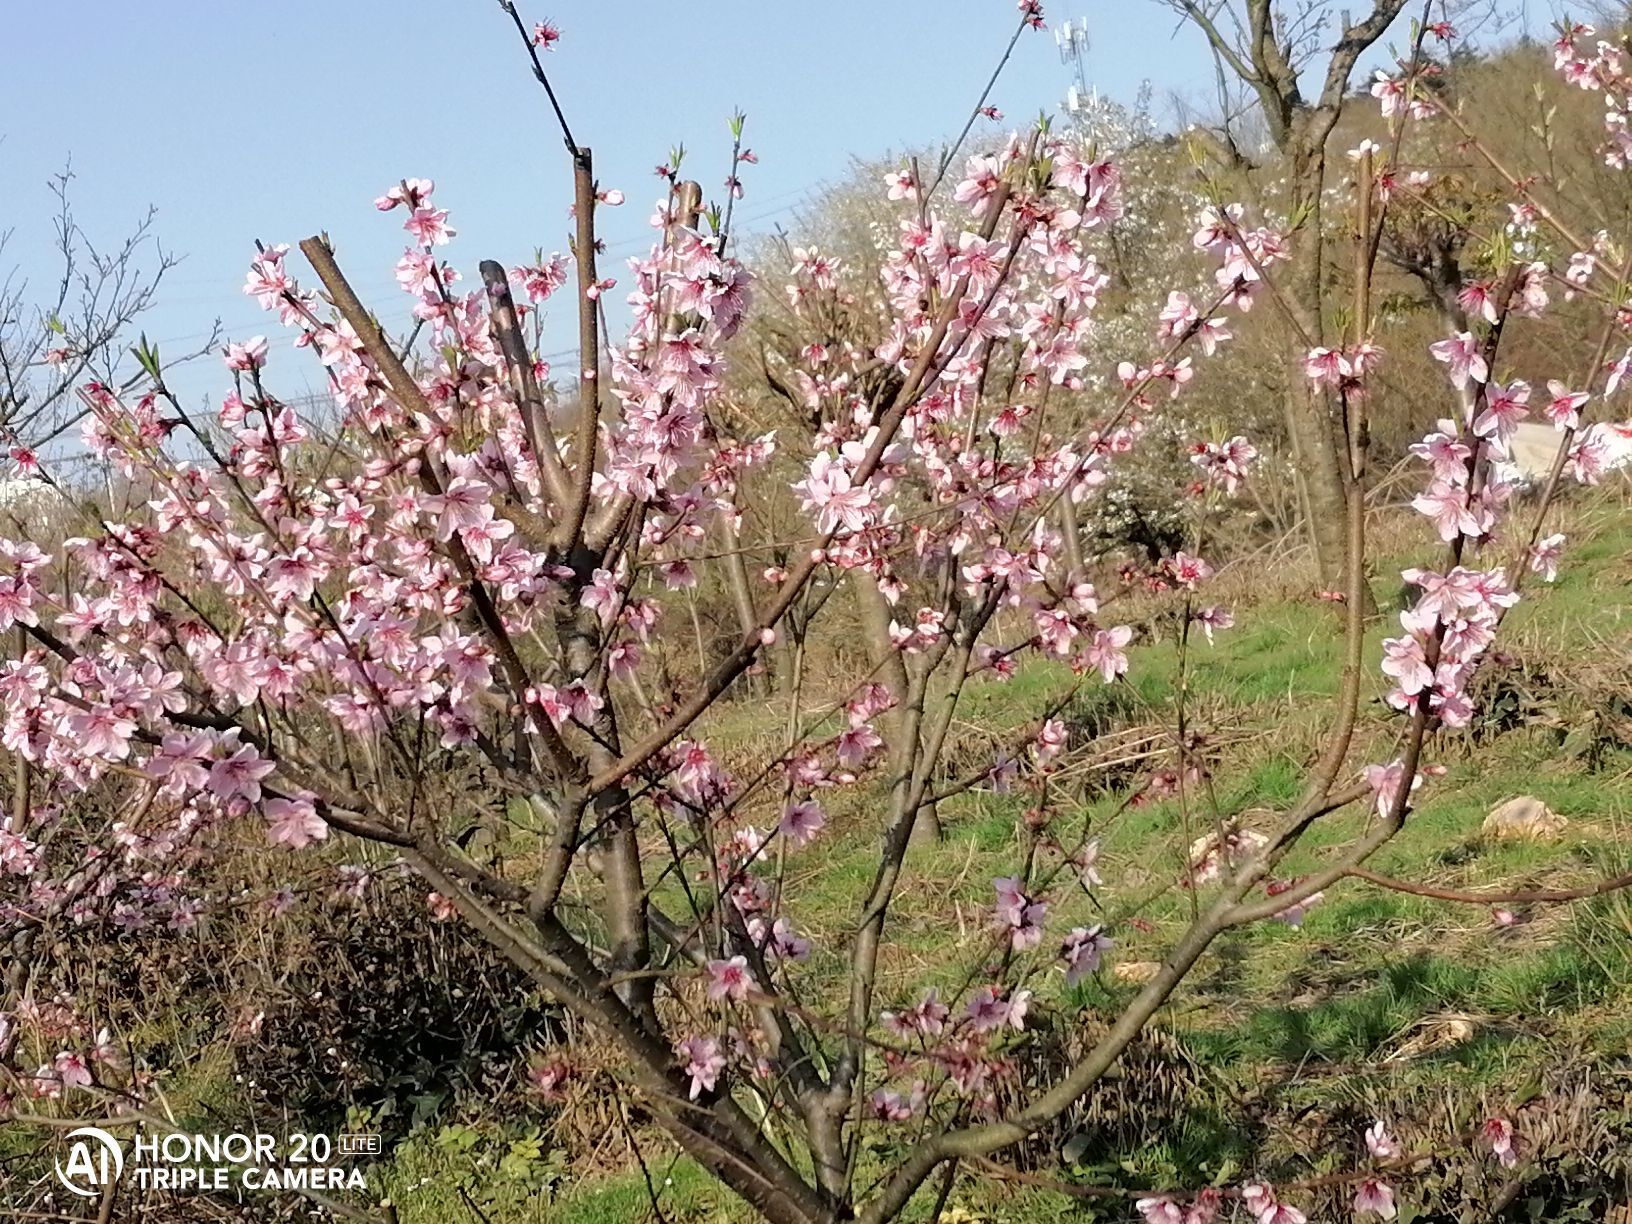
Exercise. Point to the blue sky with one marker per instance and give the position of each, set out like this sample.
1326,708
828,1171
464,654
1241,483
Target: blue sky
272,119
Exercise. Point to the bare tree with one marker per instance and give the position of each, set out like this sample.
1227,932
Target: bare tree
78,328
1270,48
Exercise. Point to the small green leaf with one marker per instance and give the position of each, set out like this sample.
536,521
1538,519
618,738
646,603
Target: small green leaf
147,356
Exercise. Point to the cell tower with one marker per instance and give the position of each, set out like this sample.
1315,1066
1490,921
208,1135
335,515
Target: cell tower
1071,37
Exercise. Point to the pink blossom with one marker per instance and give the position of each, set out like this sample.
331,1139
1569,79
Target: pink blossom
1204,1208
47,1083
462,504
1504,409
294,823
697,773
856,744
827,489
17,596
1453,512
1226,463
1385,782
249,355
1282,1213
411,192
1258,1197
540,280
1106,653
1324,365
1498,1132
1447,453
102,733
925,1018
601,594
1002,773
1161,1210
1375,1197
1056,630
1082,950
1187,571
1564,409
239,775
1086,862
990,1008
980,260
821,270
1179,315
1462,354
729,979
779,939
1380,1143
1619,370
104,1051
18,855
982,178
1403,659
1214,617
902,185
181,763
802,821
294,577
1388,91
547,1078
1018,914
71,1070
888,1105
1213,233
1545,555
267,281
702,1061
1295,911
429,226
1589,458
1477,299
1051,740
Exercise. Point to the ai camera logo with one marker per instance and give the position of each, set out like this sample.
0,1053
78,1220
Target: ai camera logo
95,1161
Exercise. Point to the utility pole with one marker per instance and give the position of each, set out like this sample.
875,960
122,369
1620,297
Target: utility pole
1071,37
1100,123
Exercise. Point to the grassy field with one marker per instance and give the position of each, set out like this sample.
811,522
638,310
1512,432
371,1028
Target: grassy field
1383,1004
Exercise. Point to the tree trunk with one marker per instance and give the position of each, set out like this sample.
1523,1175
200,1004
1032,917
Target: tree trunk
1319,474
1314,430
888,661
